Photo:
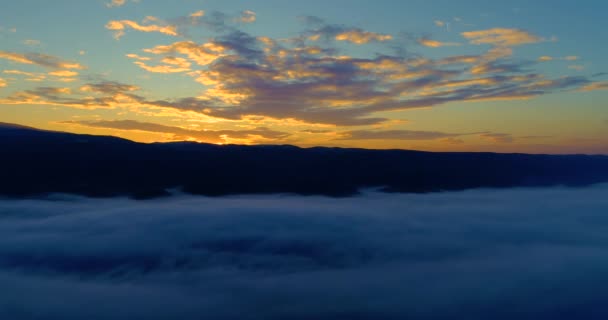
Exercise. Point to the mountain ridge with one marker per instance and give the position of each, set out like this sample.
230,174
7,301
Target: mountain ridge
37,162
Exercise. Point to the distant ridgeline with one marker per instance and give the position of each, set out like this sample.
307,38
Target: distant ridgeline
35,162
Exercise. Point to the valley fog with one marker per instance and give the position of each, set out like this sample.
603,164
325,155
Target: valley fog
479,254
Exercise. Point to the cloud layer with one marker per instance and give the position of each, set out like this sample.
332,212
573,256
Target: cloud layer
481,254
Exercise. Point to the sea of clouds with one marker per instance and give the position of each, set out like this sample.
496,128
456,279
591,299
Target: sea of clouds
480,254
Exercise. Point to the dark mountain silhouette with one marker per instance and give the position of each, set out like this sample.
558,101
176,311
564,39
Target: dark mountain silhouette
34,162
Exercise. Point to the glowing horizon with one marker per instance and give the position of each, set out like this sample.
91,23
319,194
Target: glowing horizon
393,74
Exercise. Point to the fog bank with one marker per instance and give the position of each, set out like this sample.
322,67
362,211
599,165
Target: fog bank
479,254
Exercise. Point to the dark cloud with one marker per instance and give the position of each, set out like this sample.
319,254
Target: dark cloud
210,136
243,45
311,82
482,254
104,94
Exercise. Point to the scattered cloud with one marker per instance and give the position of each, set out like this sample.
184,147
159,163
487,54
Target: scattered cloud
566,58
40,59
3,83
501,37
63,73
576,67
436,44
248,16
198,14
120,26
116,3
601,85
357,36
31,42
311,77
168,64
201,54
138,57
9,30
30,76
440,23
163,68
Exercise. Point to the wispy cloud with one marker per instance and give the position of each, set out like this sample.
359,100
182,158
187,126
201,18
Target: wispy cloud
63,73
427,42
178,133
602,85
248,16
362,37
40,59
120,26
30,76
397,135
168,64
107,94
118,3
31,42
498,137
503,37
566,58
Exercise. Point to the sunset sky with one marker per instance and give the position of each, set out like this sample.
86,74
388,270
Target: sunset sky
504,76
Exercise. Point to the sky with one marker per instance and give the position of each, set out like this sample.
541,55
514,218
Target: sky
502,76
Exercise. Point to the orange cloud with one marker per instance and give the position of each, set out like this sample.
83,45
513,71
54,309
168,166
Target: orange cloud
436,44
439,23
197,14
116,3
501,37
119,27
202,54
63,73
3,83
603,85
497,137
179,133
362,37
161,68
31,76
138,57
248,16
40,59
